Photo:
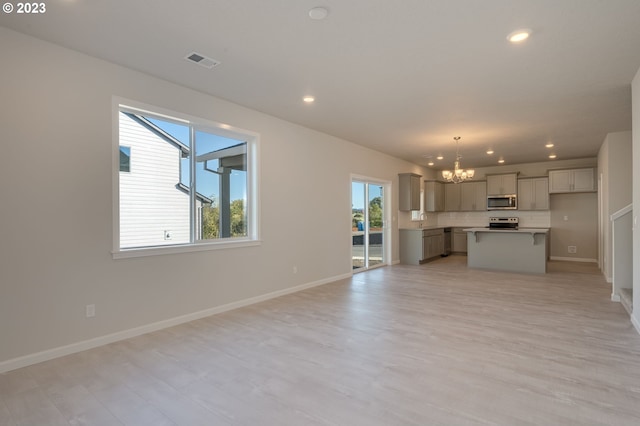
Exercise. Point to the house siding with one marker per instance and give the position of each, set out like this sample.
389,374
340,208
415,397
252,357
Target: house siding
150,203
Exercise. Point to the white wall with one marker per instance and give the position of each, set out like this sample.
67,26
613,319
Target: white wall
635,125
56,211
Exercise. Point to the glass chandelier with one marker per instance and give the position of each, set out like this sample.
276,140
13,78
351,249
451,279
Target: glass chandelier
458,174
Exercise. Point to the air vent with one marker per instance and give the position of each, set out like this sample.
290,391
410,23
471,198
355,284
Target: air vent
202,60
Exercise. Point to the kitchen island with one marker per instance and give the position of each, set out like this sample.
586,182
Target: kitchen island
515,250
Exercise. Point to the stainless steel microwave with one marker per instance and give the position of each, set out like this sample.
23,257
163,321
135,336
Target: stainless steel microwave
502,202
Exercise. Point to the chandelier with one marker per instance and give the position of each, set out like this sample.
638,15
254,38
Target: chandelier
458,174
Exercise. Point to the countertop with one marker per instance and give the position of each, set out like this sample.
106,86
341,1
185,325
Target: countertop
433,227
424,228
510,231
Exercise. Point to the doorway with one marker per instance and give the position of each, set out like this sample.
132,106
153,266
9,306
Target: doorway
368,219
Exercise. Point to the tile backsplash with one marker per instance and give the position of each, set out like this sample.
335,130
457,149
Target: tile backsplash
528,219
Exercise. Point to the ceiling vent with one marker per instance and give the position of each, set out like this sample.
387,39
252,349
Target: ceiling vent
202,60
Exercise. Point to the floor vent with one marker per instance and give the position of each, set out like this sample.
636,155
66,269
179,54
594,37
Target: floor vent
202,60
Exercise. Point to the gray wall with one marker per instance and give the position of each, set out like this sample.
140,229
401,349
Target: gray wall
56,168
580,228
635,125
614,168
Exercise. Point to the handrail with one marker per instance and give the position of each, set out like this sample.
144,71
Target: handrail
623,211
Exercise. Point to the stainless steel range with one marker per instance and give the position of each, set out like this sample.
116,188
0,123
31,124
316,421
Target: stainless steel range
503,223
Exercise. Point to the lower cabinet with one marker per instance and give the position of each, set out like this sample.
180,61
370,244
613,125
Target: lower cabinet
459,241
433,243
420,245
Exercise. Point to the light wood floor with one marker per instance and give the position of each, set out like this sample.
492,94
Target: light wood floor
400,345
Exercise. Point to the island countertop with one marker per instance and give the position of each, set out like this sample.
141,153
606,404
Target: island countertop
515,250
510,231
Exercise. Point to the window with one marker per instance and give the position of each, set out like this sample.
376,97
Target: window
125,159
419,215
190,184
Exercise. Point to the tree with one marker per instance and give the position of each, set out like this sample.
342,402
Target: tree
211,220
375,212
238,219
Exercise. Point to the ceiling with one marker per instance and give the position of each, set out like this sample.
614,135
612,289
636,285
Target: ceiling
400,77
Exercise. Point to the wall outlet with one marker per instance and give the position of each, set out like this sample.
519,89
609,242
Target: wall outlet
572,249
91,311
167,235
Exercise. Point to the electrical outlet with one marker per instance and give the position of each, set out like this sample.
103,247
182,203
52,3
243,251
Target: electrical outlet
91,311
167,235
572,249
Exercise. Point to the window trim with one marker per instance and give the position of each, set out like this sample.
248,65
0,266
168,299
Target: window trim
253,172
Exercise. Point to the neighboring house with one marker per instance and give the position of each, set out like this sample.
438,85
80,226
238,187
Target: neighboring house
154,204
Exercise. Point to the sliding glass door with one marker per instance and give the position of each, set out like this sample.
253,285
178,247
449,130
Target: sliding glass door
367,224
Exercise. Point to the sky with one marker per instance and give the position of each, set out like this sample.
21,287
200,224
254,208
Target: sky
206,182
357,194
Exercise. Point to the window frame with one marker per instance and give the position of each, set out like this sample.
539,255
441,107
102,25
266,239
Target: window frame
253,207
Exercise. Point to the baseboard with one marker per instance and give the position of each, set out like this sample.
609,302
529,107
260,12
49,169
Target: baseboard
574,259
635,323
615,297
26,360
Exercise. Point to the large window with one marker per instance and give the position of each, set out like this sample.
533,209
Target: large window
183,182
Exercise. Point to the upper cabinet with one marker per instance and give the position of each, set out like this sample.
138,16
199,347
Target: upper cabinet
571,180
533,194
473,196
465,196
504,184
409,197
452,197
433,196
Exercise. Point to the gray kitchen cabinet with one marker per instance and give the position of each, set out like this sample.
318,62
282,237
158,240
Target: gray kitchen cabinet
411,246
533,193
409,196
452,197
572,180
433,243
473,196
503,184
419,245
459,241
433,196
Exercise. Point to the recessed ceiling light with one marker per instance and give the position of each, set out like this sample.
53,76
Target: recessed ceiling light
309,99
549,145
489,151
430,163
318,13
552,156
519,35
501,161
439,157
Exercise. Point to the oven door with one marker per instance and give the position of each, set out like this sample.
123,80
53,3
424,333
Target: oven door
502,202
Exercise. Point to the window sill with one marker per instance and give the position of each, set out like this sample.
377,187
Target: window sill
186,248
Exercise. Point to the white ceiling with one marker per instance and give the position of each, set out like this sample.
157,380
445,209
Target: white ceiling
402,77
